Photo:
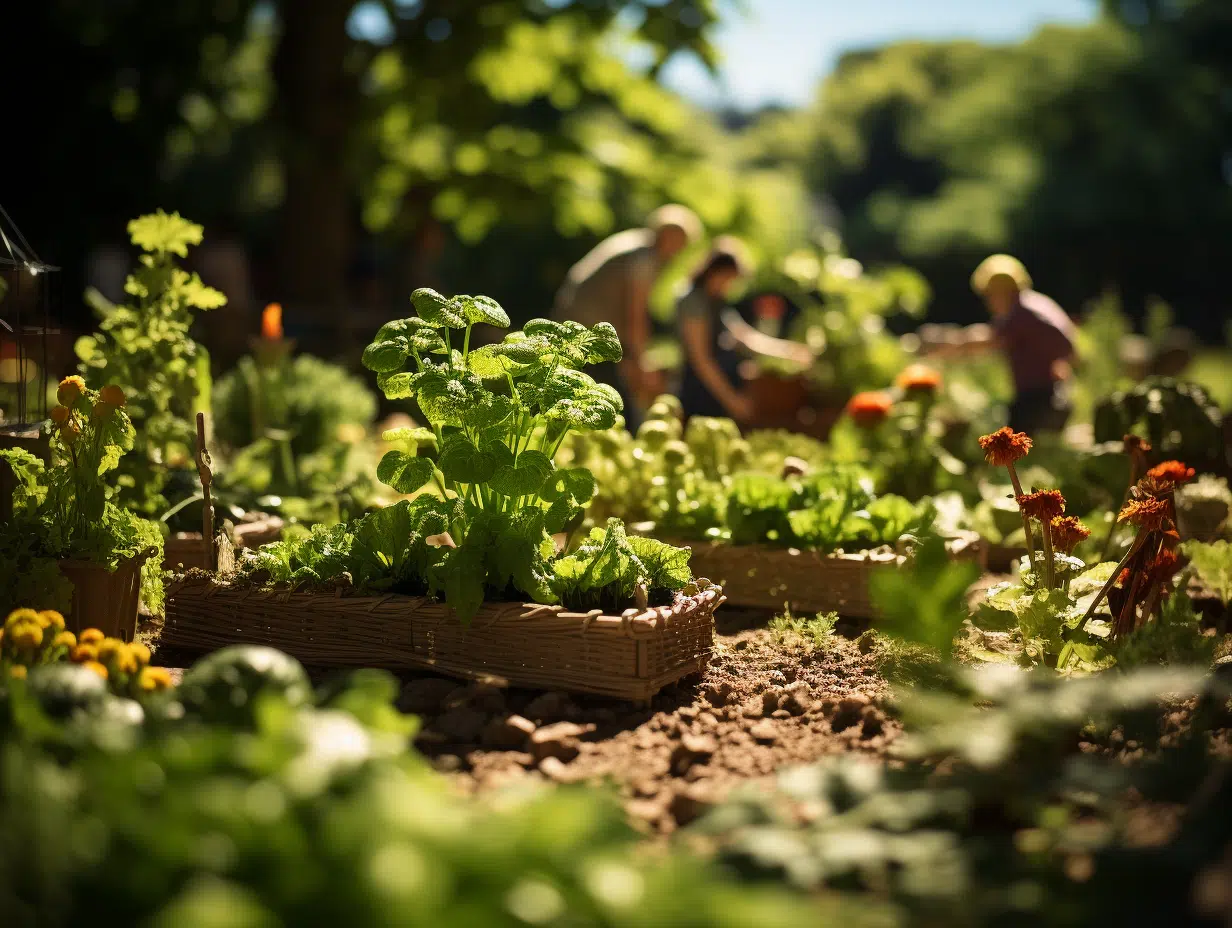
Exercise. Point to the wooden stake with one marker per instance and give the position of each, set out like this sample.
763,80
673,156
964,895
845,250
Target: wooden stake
207,509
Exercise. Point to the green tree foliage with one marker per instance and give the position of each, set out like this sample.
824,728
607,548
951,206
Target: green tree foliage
1095,153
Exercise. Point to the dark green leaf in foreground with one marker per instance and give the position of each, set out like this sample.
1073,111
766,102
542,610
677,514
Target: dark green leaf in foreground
404,472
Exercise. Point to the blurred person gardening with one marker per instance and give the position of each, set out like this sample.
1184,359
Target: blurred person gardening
1036,336
612,283
712,334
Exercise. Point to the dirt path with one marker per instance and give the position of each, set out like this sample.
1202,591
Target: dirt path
764,704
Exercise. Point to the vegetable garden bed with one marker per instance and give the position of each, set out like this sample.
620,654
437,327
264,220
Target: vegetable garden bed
764,577
630,656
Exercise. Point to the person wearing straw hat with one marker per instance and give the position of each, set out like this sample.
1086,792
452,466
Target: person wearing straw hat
1036,336
612,283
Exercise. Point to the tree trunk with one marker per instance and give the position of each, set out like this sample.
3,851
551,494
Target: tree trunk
318,101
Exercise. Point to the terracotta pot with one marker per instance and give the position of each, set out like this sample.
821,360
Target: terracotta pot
105,599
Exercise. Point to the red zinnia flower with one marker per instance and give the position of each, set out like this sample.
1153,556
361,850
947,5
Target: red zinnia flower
1067,532
1044,505
1149,514
1155,486
1174,471
1005,446
918,378
869,408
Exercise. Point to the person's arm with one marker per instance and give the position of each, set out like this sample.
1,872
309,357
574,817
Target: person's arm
760,343
695,334
976,340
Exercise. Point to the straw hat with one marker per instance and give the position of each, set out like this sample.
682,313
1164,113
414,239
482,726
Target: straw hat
998,266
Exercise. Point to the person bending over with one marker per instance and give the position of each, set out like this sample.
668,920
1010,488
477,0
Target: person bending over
712,336
1036,336
612,283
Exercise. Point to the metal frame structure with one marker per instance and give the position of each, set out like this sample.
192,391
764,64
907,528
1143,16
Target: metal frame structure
21,326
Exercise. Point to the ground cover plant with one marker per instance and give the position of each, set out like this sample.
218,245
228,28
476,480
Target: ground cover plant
489,506
66,509
145,349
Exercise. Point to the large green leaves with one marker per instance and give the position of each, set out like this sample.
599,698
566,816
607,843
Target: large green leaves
574,344
438,310
524,476
405,473
462,462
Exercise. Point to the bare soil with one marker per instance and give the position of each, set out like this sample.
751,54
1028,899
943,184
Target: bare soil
765,703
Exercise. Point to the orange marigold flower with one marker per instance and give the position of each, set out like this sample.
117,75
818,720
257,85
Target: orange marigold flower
1155,486
1174,471
869,408
69,389
1044,505
1149,514
91,636
918,378
112,395
1005,446
65,640
83,653
97,668
1067,532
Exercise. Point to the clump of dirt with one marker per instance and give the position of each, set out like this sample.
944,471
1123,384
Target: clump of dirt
764,703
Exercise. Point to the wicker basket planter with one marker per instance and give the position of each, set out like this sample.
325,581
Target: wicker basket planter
105,599
630,656
187,549
763,577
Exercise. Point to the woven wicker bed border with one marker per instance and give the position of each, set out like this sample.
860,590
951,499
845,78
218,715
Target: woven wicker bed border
630,656
762,577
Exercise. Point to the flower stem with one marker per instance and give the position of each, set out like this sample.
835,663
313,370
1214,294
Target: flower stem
1049,561
1133,549
1026,522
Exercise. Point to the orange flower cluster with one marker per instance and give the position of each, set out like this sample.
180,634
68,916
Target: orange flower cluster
918,378
1044,505
1067,532
1005,446
1172,471
1149,514
870,408
1134,445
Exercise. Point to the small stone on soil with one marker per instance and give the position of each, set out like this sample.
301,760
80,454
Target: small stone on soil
559,740
461,725
764,732
508,732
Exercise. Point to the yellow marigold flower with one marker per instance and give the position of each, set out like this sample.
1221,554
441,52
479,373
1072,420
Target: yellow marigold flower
139,651
20,617
83,654
70,388
154,678
113,396
65,640
91,636
26,635
97,668
109,649
125,662
18,671
49,617
60,414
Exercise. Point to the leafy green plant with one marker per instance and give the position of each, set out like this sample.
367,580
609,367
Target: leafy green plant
1177,418
247,797
815,631
64,510
487,504
1212,564
145,349
293,431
